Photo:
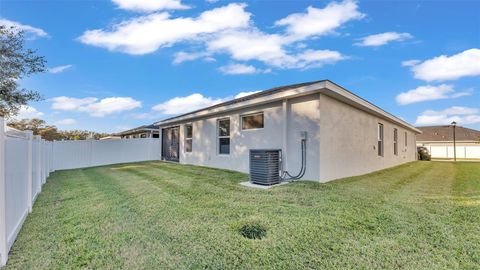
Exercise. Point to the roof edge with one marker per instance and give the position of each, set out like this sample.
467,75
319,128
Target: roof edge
323,86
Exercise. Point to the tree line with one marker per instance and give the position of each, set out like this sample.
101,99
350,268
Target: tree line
51,132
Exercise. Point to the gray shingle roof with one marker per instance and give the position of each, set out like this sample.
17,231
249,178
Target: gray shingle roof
445,133
137,129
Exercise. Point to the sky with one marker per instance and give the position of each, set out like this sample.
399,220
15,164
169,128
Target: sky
115,65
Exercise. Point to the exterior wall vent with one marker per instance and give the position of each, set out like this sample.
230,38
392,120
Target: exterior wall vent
265,166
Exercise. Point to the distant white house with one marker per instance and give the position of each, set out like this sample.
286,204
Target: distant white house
345,134
146,131
439,141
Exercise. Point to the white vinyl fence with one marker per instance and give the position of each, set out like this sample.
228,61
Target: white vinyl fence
26,161
462,152
89,153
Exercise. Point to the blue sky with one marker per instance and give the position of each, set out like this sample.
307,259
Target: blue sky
122,63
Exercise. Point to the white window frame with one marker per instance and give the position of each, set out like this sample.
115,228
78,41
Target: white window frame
224,137
380,140
395,142
251,114
185,139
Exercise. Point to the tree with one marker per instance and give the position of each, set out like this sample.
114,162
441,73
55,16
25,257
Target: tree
51,132
28,124
16,62
39,127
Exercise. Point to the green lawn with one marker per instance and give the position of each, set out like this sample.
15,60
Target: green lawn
158,215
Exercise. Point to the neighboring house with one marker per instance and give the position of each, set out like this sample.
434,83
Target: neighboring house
439,141
147,131
110,138
346,135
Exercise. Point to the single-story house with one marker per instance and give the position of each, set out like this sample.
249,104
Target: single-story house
344,134
110,138
146,131
439,141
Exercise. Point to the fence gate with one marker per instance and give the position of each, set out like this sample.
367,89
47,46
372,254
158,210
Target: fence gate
170,144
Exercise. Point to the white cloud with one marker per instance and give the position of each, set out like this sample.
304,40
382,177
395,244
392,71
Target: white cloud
112,105
461,115
181,57
59,69
238,69
66,122
383,38
423,120
229,30
180,105
244,94
410,63
64,103
95,107
320,21
252,44
429,92
443,67
32,31
149,5
453,110
317,58
146,34
186,104
28,112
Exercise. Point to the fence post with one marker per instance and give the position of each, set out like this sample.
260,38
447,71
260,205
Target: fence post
44,175
43,162
29,134
38,175
3,198
52,164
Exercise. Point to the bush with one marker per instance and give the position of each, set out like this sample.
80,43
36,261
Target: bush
423,153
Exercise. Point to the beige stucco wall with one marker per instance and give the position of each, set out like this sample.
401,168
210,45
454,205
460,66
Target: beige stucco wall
348,141
303,115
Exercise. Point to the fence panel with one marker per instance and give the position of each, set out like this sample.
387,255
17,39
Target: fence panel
463,152
82,154
16,180
473,152
36,179
26,162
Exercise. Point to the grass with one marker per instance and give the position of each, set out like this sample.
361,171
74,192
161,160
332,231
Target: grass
159,215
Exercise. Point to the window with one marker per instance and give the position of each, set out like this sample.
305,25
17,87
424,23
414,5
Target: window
252,121
188,138
406,139
143,135
224,136
380,140
395,141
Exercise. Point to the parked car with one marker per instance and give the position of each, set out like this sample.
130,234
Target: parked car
423,153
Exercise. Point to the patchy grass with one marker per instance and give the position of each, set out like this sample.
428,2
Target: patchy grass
160,215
